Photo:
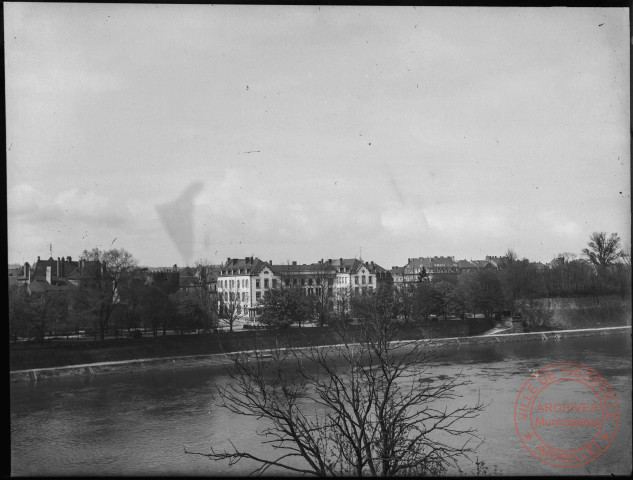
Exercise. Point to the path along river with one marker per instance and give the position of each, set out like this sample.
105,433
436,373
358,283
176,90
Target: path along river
137,423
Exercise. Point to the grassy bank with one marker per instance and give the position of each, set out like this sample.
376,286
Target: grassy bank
58,353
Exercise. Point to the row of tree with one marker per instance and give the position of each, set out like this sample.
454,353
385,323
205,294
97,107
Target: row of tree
606,269
114,297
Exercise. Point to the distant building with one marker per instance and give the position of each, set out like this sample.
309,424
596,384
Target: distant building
466,266
397,274
245,280
429,267
382,275
58,275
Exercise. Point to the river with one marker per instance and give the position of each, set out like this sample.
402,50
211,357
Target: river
138,423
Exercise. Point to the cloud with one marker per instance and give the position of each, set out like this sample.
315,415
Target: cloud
559,223
468,219
26,203
404,220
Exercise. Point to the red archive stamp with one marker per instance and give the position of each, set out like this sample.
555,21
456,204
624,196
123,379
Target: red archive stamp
566,415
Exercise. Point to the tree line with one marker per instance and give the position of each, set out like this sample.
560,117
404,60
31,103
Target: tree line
116,297
604,268
113,298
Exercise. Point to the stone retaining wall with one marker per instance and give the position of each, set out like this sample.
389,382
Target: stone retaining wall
223,359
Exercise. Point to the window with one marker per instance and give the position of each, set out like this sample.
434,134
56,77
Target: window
356,277
243,296
246,282
364,290
310,291
356,290
232,283
363,280
294,281
371,289
318,281
274,283
310,281
287,282
371,280
257,283
265,283
258,295
303,281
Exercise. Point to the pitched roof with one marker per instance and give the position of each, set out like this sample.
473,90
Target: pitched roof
350,265
431,262
483,264
305,269
251,264
465,264
375,268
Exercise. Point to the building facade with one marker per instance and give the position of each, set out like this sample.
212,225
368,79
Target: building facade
242,282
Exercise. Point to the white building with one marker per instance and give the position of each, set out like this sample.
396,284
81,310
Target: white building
243,281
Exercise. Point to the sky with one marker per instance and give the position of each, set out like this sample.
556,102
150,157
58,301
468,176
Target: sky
187,133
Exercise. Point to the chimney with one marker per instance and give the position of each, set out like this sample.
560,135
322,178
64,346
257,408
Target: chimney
341,259
228,260
330,260
294,262
58,268
69,259
246,260
175,268
61,273
38,258
270,262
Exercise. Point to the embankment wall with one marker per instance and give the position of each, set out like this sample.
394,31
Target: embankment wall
223,359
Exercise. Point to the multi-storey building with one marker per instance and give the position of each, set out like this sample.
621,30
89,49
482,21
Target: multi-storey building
383,276
243,282
423,267
397,273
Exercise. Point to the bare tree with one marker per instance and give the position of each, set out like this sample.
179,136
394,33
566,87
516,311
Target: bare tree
107,270
603,251
367,406
230,303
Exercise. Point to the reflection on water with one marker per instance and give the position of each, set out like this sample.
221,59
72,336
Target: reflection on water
138,423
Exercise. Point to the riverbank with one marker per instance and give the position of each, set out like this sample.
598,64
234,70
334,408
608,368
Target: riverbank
59,353
123,366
